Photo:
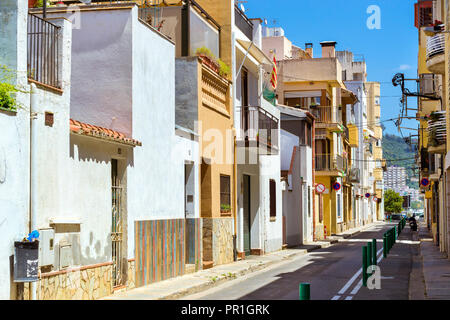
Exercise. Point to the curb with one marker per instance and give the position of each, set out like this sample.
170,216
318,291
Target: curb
250,269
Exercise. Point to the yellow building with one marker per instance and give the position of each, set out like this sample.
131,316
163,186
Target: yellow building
433,116
373,124
316,85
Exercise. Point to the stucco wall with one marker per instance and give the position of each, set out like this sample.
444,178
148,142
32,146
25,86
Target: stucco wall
188,91
156,174
14,142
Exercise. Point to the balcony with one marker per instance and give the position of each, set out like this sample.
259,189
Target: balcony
378,174
43,52
354,175
437,132
243,23
353,139
435,54
327,117
260,128
330,165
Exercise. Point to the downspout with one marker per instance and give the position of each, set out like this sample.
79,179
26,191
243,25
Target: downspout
313,135
32,171
234,196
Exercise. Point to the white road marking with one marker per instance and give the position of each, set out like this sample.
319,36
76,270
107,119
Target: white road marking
356,288
335,298
355,276
349,298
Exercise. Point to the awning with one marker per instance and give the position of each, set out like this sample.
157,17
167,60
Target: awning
348,97
256,52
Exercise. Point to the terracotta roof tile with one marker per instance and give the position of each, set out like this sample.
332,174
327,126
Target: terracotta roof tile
100,132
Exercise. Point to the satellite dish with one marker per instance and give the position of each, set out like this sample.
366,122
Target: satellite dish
265,22
242,8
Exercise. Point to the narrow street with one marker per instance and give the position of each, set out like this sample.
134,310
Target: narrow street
334,273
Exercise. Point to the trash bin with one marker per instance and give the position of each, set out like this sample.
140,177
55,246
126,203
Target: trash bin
26,261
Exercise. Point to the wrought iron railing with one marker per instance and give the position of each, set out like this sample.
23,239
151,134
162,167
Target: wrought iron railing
327,114
437,132
326,162
259,125
243,23
43,51
435,45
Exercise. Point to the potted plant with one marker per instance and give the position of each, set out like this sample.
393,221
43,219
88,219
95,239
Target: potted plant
212,62
225,208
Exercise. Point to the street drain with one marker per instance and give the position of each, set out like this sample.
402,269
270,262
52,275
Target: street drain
446,275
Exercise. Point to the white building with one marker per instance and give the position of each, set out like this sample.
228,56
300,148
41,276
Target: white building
112,176
297,173
259,202
395,178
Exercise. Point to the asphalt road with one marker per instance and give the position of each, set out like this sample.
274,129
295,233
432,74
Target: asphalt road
334,273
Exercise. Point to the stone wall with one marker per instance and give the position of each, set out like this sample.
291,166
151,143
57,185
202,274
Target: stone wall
218,240
85,283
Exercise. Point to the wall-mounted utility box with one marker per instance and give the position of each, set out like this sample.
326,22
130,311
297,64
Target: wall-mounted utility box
26,261
46,248
65,256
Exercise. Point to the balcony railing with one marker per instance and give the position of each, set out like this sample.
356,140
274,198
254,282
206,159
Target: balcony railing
43,51
437,132
325,162
327,114
435,45
260,126
243,23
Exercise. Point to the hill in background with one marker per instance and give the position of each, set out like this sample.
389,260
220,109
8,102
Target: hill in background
395,148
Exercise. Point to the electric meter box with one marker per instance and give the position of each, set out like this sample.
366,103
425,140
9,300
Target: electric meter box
26,261
46,247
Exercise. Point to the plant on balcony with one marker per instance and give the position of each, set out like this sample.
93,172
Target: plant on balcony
212,62
225,208
40,3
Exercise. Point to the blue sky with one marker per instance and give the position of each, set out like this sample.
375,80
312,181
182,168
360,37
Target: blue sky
388,50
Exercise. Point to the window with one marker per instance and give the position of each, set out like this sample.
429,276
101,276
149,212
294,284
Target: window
202,34
273,200
338,205
225,194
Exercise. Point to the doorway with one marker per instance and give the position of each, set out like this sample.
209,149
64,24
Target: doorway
117,225
189,190
247,213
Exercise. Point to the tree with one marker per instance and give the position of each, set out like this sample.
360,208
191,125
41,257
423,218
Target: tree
393,202
417,205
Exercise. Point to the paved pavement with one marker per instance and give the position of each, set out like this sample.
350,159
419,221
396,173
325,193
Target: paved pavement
435,267
189,284
332,273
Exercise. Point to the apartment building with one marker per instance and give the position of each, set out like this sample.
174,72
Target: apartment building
431,17
395,177
315,84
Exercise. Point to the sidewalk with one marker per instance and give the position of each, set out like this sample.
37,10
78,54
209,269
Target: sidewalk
435,266
178,287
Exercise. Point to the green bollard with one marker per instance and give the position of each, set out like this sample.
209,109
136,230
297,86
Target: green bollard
384,246
304,291
395,234
364,266
369,254
374,252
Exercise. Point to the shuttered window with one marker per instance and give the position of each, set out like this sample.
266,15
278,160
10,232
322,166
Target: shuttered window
225,198
273,199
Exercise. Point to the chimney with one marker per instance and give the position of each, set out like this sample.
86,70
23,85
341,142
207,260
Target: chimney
309,49
328,49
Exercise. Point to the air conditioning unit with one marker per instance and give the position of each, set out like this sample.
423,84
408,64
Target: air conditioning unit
428,84
354,175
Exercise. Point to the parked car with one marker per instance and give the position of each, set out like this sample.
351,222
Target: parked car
396,216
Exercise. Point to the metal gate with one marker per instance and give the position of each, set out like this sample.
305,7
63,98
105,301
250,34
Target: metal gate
117,228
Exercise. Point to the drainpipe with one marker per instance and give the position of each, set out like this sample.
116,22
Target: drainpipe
313,135
235,197
32,172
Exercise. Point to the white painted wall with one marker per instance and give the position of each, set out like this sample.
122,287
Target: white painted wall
14,142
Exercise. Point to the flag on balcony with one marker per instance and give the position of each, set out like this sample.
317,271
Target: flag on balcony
274,79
